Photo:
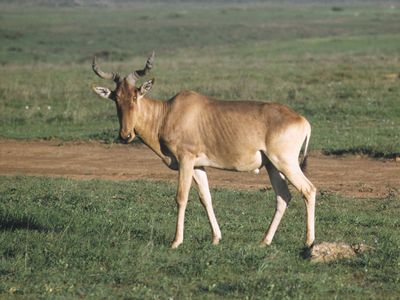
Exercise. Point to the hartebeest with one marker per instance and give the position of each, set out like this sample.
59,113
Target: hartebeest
190,132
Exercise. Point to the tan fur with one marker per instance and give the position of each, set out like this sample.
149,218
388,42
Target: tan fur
191,131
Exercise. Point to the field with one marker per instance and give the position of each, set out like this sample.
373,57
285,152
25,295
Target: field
337,64
102,239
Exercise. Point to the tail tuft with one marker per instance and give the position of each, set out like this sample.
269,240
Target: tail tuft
303,164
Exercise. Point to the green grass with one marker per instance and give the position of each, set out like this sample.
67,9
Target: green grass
74,34
100,239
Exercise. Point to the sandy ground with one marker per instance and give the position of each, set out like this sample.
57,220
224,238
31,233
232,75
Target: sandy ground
351,176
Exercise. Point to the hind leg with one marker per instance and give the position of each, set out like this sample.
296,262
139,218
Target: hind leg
283,198
293,173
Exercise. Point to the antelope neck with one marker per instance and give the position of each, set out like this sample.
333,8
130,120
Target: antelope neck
149,122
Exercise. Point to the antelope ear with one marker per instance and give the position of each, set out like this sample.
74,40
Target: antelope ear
102,92
146,87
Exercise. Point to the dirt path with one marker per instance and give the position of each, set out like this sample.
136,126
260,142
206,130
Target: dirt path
350,176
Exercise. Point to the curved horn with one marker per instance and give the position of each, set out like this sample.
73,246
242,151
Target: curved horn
113,76
132,77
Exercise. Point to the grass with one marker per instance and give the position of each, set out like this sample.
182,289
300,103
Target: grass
334,66
64,239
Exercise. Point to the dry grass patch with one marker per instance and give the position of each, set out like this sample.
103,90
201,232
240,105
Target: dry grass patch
332,251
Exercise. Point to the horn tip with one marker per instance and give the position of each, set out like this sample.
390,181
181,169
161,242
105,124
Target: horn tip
94,61
153,54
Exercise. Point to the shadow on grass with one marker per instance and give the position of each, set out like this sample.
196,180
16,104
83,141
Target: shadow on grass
305,252
369,151
11,224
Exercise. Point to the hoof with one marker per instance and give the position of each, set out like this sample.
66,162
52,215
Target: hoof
215,241
175,245
310,244
264,244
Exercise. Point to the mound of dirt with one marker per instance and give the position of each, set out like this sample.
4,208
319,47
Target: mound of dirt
329,251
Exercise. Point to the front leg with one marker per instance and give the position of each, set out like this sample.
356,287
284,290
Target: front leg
186,165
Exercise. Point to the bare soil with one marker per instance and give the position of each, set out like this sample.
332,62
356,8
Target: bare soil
351,176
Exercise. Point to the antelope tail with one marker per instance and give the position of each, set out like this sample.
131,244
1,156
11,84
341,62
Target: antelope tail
303,161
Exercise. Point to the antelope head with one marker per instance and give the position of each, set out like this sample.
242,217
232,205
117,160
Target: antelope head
126,96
